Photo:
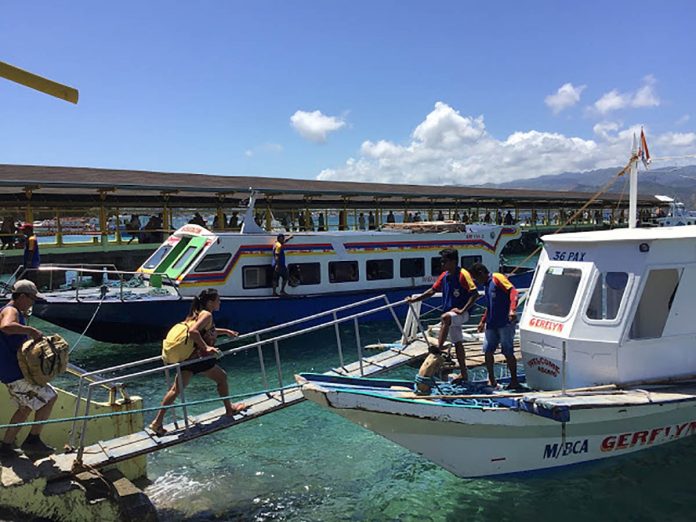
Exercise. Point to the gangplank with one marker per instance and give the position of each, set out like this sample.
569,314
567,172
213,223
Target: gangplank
412,348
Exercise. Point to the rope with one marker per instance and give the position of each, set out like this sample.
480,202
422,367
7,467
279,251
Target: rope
601,191
94,315
141,410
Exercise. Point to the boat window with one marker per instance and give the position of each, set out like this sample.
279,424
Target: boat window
257,276
558,289
184,258
213,263
607,295
655,303
155,258
380,269
343,271
467,261
412,267
436,266
304,274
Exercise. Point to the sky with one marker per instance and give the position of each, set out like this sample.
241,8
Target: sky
437,92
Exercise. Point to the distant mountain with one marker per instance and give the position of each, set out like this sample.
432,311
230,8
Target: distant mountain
679,182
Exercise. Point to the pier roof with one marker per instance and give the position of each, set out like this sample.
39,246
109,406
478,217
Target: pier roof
87,186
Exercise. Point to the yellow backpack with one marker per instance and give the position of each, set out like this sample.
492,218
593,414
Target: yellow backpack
178,345
41,360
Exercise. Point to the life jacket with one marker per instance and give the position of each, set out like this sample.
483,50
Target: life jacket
178,345
41,360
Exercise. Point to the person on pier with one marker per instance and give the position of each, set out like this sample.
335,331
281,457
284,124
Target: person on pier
201,337
32,258
458,296
8,230
28,397
498,320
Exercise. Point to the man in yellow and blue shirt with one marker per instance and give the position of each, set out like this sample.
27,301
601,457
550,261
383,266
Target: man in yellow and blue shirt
498,321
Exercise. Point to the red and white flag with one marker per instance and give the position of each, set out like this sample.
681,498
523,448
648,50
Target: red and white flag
643,151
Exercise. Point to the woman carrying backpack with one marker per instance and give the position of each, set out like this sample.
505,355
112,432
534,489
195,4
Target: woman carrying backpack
200,339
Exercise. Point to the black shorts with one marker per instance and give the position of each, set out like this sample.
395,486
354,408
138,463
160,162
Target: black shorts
281,272
199,367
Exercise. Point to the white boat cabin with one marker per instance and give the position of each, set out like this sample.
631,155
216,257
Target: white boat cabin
617,306
239,264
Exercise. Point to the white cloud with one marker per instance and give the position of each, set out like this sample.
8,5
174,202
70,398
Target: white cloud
265,148
677,140
315,126
566,96
684,119
447,148
613,100
605,128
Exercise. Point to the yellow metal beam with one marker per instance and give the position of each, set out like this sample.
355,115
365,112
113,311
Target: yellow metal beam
38,83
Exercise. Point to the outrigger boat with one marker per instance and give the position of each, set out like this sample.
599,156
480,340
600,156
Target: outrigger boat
607,342
327,270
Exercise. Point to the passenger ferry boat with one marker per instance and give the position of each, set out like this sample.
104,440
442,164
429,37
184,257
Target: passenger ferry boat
677,215
607,341
327,270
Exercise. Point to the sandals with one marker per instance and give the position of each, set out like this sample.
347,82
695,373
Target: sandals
158,430
239,408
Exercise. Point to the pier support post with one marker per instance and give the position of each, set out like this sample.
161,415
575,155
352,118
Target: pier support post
117,231
28,211
59,229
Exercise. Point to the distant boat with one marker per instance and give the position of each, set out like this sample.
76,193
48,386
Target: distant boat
327,270
677,215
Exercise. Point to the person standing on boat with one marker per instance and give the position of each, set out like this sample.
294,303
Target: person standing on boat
390,217
32,259
202,330
14,331
498,320
458,296
280,270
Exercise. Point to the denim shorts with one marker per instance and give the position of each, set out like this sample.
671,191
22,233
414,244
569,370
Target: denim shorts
503,336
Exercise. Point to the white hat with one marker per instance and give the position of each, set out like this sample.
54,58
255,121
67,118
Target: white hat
24,286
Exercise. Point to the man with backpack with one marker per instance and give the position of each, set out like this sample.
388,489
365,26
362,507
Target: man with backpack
458,296
29,397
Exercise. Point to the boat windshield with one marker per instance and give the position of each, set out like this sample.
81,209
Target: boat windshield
155,258
558,290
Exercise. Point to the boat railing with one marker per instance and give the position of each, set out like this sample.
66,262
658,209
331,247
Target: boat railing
116,377
46,279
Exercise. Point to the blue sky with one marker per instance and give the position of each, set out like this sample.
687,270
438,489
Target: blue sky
396,91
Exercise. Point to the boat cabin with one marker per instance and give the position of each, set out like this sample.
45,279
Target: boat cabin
613,306
239,264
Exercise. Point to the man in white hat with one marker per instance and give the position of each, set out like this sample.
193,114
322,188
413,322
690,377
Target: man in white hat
14,331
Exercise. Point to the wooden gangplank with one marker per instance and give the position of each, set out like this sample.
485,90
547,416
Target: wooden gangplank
106,453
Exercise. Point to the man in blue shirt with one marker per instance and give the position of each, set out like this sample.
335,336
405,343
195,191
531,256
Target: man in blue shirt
14,331
458,296
498,321
32,259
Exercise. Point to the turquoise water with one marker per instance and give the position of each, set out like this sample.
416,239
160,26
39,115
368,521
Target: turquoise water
304,463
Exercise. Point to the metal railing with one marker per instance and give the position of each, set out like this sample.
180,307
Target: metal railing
83,271
90,381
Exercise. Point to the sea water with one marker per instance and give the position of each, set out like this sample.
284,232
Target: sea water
305,463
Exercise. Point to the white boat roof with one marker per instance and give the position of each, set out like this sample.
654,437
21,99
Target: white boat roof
624,234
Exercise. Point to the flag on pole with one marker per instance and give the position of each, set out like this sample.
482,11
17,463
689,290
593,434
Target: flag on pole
643,151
